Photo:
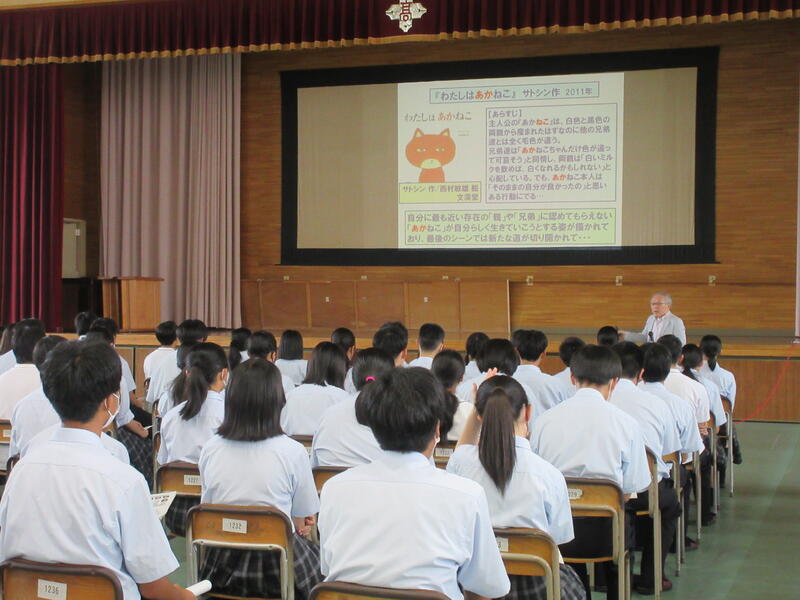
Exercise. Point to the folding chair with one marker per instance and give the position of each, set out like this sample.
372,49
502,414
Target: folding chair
712,439
602,498
306,440
698,491
259,528
674,461
338,590
442,453
322,474
728,440
5,441
156,437
654,512
531,552
29,580
180,477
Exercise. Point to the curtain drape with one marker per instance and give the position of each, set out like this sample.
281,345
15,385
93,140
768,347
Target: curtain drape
186,27
31,193
170,181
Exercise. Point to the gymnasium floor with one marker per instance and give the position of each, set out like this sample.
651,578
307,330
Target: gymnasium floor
752,550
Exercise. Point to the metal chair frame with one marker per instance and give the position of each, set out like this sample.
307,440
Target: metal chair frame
521,557
23,578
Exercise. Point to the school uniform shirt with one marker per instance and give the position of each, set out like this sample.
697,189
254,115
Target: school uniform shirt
157,358
547,390
272,472
565,379
161,378
422,361
101,514
535,496
244,355
586,436
33,414
714,398
125,414
341,441
7,361
15,384
115,448
305,406
471,371
657,424
401,522
722,377
127,375
349,386
682,412
183,440
293,369
688,389
463,412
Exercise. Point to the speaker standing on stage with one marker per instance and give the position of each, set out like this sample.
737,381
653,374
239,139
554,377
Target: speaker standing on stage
661,322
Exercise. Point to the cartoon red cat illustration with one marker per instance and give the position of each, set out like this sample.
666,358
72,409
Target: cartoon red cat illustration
430,152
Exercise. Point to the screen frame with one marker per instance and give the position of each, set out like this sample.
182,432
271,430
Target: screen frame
704,59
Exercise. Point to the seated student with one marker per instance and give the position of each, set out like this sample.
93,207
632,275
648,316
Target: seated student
448,368
166,334
475,342
7,359
101,513
522,489
343,438
430,342
250,462
660,434
686,387
608,335
113,328
187,427
237,352
711,346
346,340
586,436
189,332
399,521
290,356
548,391
262,344
691,361
33,413
320,390
174,392
23,378
567,348
392,338
83,321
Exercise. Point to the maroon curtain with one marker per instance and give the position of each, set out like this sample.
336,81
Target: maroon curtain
31,193
175,27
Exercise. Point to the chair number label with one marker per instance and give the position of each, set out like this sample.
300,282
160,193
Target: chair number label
574,493
6,433
442,452
51,590
234,525
502,544
191,480
308,450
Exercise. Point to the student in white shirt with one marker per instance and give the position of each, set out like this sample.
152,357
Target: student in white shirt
189,333
607,335
475,342
392,338
448,368
661,436
23,377
262,344
430,342
7,359
567,348
290,356
173,394
320,390
399,521
250,462
83,321
237,351
711,346
346,340
187,427
586,436
686,387
548,391
522,489
343,438
101,513
691,361
127,374
499,354
166,334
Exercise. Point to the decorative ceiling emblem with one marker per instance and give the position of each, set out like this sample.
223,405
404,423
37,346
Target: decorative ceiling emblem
406,11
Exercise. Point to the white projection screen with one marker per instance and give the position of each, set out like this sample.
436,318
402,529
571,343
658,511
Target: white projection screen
607,165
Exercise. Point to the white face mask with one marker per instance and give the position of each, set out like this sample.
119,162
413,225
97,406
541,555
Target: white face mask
111,417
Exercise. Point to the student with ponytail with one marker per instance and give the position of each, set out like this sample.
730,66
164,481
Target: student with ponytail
237,352
523,490
448,368
711,346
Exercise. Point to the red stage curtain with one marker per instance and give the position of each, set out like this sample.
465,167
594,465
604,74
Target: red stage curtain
179,27
31,193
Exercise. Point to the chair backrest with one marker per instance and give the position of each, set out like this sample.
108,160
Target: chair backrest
599,498
442,453
322,474
530,552
652,465
5,431
726,405
181,477
673,459
306,440
338,590
23,579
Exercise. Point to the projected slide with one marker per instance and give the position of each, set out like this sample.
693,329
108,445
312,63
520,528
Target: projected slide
518,162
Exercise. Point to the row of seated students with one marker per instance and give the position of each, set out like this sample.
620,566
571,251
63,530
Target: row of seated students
519,431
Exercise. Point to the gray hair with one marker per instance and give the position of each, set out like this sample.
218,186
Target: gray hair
667,297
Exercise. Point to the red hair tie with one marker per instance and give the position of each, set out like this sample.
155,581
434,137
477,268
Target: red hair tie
370,378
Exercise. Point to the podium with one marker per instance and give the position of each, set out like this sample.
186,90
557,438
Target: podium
133,302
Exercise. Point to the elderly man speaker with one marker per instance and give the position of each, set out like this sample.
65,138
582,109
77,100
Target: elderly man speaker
661,322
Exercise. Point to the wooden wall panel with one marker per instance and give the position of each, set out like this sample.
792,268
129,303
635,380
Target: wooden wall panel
378,302
251,305
333,304
433,302
485,306
285,305
766,390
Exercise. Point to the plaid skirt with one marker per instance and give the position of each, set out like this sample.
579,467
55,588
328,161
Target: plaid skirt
534,588
140,451
257,573
178,513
